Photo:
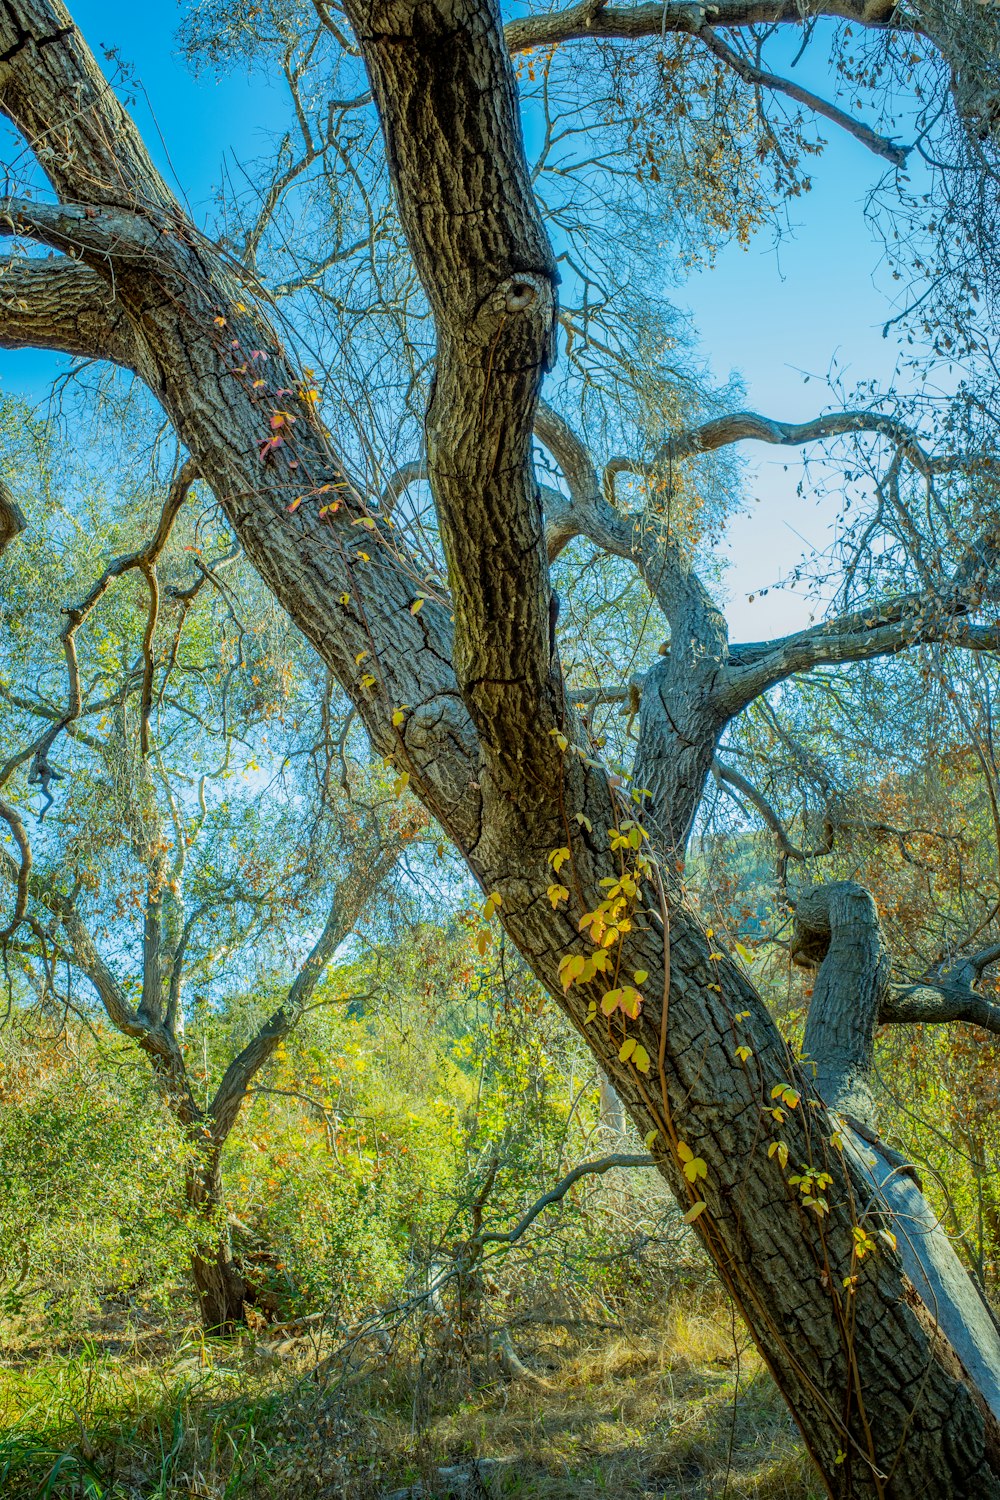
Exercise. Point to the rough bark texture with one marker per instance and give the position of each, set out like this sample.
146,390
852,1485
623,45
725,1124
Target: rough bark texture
882,1400
219,1285
837,930
837,927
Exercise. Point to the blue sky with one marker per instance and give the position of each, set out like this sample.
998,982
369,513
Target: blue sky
769,312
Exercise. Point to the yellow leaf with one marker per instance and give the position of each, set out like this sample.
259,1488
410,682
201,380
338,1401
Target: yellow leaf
744,953
400,715
640,1059
557,893
627,1048
695,1211
640,976
417,605
780,1150
570,968
482,940
744,1053
650,1139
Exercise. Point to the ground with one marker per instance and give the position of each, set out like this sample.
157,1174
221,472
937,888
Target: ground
679,1410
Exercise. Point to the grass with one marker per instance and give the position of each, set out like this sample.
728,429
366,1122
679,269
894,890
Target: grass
675,1411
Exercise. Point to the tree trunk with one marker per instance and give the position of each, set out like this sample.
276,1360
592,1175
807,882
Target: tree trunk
612,1109
220,1287
837,929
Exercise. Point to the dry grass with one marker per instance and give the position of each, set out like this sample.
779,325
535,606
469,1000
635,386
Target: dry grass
672,1412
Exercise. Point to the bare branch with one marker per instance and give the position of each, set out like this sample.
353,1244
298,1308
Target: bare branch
931,1002
641,539
729,778
80,229
883,630
63,305
744,69
399,482
603,1164
750,426
590,19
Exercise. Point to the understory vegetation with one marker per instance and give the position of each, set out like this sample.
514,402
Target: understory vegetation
390,1346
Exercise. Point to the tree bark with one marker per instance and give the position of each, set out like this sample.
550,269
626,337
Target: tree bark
220,1288
837,929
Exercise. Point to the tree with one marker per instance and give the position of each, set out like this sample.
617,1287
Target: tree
460,682
165,872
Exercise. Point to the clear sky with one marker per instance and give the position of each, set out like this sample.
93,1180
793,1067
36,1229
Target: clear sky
768,313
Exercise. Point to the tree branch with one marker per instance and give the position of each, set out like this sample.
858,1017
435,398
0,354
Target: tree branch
603,1164
80,229
884,630
640,539
350,899
590,20
12,521
751,426
62,305
53,91
21,872
743,68
486,265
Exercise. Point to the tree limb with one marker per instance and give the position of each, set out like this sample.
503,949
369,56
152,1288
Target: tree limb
53,91
349,901
591,20
61,304
743,68
751,426
12,521
562,1187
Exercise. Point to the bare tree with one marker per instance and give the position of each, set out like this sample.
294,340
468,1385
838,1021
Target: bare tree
895,1393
